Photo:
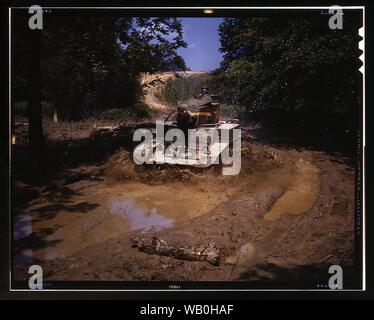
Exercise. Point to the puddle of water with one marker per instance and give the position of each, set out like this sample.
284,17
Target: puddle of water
102,212
22,225
244,254
139,218
107,211
23,258
301,195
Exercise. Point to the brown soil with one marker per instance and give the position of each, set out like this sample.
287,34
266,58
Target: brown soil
287,216
154,81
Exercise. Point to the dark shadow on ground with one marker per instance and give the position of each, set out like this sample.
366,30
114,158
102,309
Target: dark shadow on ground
342,149
313,276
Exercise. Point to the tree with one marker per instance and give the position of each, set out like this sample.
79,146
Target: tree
26,80
89,63
293,68
93,63
34,98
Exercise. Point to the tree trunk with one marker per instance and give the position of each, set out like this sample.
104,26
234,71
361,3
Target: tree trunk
155,245
55,116
34,96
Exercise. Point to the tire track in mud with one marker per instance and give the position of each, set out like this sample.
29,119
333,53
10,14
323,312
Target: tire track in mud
323,234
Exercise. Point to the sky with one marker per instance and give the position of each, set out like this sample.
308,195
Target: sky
201,35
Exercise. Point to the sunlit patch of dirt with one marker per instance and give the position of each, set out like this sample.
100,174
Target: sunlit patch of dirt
302,193
152,83
284,210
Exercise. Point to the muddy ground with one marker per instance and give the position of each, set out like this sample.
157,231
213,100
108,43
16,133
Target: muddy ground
282,221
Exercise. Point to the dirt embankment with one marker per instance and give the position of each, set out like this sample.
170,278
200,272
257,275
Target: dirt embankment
153,82
287,216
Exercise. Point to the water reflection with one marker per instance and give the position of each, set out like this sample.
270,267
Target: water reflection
38,239
139,217
23,258
22,229
22,225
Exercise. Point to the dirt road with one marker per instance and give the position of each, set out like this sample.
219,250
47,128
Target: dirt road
286,217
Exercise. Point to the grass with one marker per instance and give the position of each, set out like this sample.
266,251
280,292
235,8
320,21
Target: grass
180,89
20,108
232,111
137,111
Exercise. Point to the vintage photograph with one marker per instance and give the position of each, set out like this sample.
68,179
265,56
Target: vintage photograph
187,148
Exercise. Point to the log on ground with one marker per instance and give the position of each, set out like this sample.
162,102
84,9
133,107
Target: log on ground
154,245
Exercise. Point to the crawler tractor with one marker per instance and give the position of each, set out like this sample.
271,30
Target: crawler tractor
200,112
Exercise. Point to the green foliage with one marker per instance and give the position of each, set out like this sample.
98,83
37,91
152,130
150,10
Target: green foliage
174,64
90,63
47,109
20,108
294,69
135,112
181,88
232,111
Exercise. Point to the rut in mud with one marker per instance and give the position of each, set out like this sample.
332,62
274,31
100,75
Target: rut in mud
285,211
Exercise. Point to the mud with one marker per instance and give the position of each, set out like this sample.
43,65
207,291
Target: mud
285,212
103,211
302,193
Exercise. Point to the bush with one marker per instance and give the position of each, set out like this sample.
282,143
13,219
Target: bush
303,75
20,108
233,111
137,111
179,89
47,109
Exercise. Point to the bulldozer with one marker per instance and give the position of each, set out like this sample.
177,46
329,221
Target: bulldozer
199,115
197,111
201,112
